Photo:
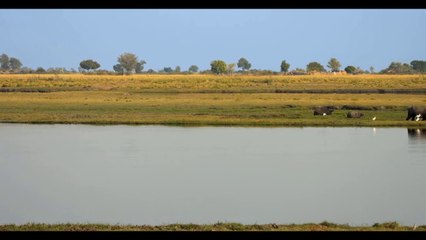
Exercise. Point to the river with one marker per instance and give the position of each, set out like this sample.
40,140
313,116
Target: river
203,175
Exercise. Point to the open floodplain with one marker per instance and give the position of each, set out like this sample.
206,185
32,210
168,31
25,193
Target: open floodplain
276,100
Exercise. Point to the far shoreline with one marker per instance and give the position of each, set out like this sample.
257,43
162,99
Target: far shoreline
194,125
228,226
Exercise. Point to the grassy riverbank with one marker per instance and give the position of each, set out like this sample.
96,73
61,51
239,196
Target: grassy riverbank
324,226
265,109
206,100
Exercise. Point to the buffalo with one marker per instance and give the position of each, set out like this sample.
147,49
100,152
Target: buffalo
353,114
327,110
414,112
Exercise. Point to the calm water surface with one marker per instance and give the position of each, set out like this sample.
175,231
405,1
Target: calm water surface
161,175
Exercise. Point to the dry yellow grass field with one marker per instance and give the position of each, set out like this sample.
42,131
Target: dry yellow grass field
200,83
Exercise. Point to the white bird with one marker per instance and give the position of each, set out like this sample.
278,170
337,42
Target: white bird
374,118
324,114
418,117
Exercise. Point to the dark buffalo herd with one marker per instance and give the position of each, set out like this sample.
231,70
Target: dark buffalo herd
414,113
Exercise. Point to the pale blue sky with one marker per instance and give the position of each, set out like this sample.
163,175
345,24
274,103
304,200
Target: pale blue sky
171,37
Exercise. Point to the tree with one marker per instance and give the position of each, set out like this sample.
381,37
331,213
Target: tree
4,62
230,68
26,70
118,68
371,69
334,65
40,70
218,66
398,68
168,69
358,70
244,64
89,64
128,61
419,66
350,69
315,67
15,64
177,69
193,68
140,66
284,66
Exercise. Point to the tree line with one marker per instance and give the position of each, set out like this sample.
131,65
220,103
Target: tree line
128,63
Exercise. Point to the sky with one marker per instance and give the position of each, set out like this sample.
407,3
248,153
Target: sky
184,37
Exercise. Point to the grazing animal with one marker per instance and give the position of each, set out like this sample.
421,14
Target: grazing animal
327,110
414,112
353,114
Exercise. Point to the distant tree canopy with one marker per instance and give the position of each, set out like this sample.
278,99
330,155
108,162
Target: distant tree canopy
26,70
140,66
168,69
40,70
128,62
284,66
218,66
244,64
89,64
398,68
177,69
193,68
418,65
118,68
4,62
334,65
9,64
359,70
350,69
354,70
230,68
14,64
315,67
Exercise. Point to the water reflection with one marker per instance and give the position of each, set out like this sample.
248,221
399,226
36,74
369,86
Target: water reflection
416,133
416,146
